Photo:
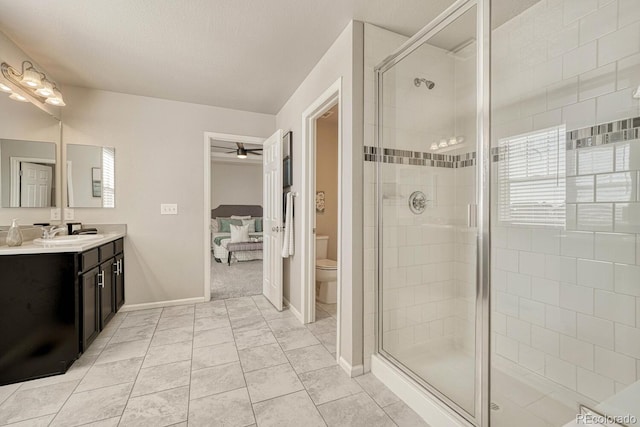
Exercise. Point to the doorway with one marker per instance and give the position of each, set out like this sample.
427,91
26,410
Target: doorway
321,231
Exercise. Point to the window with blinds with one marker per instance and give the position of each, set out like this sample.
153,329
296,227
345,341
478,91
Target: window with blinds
531,178
108,177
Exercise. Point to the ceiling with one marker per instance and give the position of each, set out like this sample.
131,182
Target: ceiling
242,54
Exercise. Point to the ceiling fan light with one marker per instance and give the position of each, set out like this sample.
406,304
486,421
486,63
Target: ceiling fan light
46,89
241,153
18,97
5,88
31,78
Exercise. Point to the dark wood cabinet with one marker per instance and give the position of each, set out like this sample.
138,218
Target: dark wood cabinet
107,292
119,280
102,278
89,309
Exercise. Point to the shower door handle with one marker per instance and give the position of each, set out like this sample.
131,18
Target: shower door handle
472,215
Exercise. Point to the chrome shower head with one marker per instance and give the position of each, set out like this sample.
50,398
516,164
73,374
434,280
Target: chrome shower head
428,83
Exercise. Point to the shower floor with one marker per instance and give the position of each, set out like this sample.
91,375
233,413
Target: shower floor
523,398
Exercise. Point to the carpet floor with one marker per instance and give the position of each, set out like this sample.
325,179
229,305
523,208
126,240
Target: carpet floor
241,279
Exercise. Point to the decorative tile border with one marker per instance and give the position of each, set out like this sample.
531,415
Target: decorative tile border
607,133
418,158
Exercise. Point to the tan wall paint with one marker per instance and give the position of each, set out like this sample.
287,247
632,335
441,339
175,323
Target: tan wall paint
327,181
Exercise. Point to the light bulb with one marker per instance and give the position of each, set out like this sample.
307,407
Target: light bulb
56,99
31,78
5,88
434,146
452,141
443,143
18,97
46,90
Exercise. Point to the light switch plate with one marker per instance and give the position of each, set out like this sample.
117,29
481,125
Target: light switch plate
55,214
68,214
168,209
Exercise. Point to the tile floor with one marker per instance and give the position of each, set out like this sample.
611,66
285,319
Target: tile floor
236,362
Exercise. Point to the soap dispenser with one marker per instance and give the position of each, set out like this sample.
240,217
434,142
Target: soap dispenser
14,235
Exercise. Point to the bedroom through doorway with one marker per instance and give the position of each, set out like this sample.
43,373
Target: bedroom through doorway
236,186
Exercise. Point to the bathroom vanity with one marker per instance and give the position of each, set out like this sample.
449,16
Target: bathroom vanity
55,298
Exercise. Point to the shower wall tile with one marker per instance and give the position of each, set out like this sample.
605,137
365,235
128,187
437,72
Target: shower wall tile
595,274
615,307
616,247
596,331
584,313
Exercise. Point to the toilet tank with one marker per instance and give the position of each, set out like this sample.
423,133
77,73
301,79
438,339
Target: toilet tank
321,246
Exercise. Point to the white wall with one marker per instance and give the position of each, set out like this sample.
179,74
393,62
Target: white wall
159,146
236,184
343,59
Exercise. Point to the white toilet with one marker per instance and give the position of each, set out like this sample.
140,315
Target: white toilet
326,273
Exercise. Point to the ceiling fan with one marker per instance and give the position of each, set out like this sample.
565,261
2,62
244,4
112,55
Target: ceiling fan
241,151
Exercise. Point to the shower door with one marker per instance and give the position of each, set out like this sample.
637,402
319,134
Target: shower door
429,245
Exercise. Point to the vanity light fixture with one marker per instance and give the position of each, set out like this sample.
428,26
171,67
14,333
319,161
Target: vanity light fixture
18,97
34,82
446,142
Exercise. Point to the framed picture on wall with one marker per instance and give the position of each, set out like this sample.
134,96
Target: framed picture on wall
287,171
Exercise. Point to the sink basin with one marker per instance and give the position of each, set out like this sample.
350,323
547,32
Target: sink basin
68,240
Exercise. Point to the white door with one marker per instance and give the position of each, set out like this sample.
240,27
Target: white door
35,185
272,219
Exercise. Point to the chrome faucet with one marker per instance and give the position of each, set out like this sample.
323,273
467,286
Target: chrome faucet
50,232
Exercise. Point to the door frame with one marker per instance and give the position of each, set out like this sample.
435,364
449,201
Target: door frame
15,163
331,97
207,197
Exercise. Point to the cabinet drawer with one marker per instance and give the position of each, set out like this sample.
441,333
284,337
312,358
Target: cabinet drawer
89,259
119,246
107,251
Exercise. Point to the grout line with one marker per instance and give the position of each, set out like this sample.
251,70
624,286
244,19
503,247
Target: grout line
244,377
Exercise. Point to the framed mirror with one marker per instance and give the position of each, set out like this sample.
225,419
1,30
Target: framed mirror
29,169
90,176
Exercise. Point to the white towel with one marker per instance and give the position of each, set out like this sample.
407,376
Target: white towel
288,247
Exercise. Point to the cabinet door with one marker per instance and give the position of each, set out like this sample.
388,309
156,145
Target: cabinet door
107,297
119,280
90,307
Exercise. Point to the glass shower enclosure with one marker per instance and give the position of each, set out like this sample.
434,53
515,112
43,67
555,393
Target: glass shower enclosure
508,211
429,298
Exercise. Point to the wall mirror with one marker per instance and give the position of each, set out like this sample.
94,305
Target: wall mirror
29,140
90,176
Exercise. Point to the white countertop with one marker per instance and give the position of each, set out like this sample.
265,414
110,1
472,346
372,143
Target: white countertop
38,248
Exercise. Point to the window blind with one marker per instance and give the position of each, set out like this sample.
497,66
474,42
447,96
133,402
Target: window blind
531,178
108,177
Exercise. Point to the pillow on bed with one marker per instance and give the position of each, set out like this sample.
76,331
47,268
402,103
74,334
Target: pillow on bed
214,226
251,223
224,223
258,221
239,233
240,216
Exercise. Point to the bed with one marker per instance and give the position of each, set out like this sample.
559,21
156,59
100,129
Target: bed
221,238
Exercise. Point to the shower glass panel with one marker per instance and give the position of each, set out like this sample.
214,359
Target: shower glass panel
565,137
426,211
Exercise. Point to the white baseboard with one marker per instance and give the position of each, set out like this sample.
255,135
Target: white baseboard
352,371
293,310
132,307
435,413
